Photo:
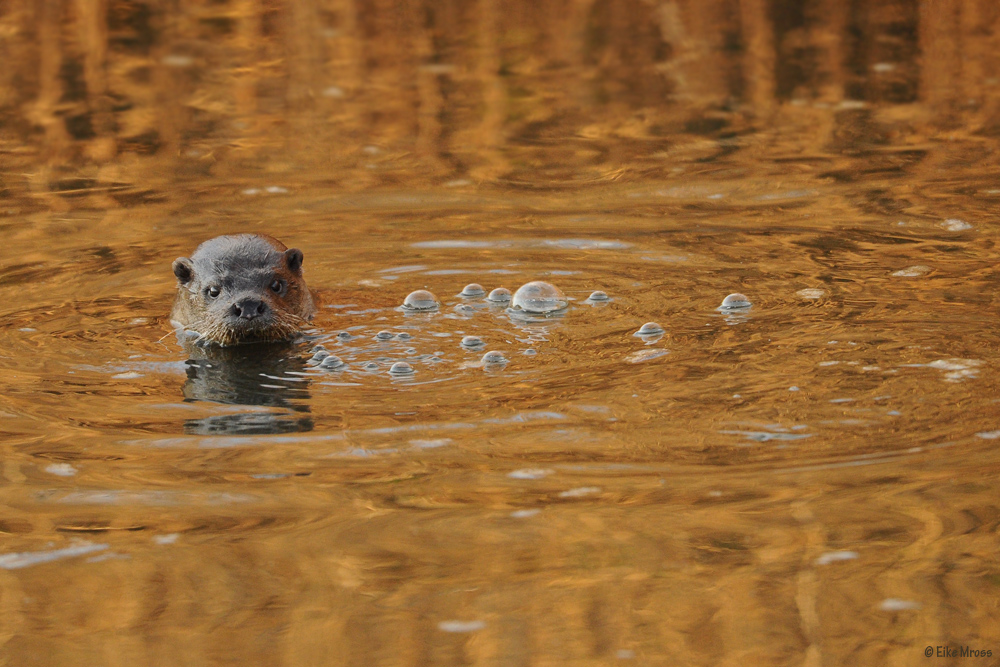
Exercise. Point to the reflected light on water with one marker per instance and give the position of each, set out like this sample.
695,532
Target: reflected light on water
434,473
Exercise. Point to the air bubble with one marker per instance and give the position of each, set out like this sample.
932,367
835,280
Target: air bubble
473,291
420,300
539,297
499,295
332,362
401,368
649,329
343,335
384,335
473,342
735,301
402,335
598,296
318,357
493,358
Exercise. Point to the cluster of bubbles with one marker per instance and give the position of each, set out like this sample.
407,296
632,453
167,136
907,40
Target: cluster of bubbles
536,298
380,336
323,359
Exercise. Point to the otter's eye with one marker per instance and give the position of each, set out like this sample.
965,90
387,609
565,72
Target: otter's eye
213,292
277,286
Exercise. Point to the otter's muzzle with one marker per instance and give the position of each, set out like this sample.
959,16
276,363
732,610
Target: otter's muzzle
248,308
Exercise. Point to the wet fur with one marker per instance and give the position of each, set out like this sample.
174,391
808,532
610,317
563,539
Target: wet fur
237,259
283,327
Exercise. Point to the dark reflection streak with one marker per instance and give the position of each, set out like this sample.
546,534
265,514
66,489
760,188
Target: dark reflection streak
236,376
759,59
478,90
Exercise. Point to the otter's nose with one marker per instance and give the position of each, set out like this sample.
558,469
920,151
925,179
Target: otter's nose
248,309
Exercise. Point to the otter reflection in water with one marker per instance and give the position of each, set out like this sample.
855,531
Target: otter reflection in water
233,291
269,377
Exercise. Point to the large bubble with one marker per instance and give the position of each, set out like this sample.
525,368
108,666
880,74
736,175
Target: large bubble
538,297
420,300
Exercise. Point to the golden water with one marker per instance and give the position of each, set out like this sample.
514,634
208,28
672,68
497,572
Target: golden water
812,482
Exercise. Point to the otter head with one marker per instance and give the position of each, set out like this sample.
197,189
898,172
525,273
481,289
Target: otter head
243,288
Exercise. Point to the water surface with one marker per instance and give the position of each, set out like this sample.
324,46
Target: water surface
812,480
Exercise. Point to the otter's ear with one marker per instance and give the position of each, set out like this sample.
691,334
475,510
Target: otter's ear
184,270
294,258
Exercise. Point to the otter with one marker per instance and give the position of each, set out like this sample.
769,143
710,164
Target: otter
243,288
